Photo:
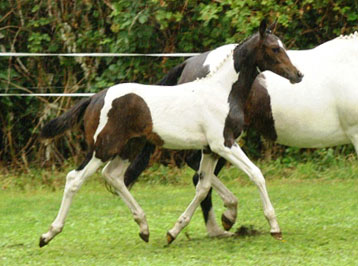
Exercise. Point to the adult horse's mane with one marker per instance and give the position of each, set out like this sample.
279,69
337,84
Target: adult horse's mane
349,37
219,66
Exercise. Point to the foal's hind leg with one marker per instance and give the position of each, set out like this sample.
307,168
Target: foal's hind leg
74,181
206,171
114,174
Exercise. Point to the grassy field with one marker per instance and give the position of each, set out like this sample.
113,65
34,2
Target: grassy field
318,217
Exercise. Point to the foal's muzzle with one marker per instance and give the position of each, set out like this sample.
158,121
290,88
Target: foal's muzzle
297,78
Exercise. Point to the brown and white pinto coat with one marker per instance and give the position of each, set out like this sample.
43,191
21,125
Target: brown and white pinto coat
119,121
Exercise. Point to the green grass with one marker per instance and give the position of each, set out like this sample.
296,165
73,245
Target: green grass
318,217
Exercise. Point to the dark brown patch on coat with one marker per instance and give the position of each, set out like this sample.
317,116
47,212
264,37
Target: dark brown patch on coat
129,125
258,112
91,117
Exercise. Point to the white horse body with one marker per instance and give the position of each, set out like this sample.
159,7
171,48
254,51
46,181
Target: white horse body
322,110
172,107
172,110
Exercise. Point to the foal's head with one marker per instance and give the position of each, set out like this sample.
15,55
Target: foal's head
271,55
266,51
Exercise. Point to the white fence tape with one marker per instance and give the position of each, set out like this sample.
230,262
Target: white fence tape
47,94
9,54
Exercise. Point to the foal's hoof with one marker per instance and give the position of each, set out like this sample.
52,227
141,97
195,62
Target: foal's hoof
277,236
42,242
227,224
145,237
170,238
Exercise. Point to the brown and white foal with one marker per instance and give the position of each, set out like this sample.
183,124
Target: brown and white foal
119,121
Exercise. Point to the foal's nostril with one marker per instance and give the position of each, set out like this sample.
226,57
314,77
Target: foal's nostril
300,74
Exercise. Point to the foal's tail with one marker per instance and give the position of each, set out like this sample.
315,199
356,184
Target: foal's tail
173,75
65,121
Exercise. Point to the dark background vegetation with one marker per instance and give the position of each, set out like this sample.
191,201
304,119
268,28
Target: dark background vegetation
141,26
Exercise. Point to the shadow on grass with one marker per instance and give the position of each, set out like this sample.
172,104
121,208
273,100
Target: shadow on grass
247,231
241,232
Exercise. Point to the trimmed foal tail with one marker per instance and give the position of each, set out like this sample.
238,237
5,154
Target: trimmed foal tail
173,75
65,121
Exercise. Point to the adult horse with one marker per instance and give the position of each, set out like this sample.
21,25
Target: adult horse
120,120
321,111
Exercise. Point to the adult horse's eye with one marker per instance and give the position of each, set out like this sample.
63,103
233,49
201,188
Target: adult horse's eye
276,50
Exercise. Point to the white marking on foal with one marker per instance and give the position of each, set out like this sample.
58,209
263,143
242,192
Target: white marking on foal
280,44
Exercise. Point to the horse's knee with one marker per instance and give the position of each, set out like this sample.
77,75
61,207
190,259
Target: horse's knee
72,185
202,191
257,176
71,176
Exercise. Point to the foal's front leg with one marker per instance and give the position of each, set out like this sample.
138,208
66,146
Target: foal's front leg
228,218
207,166
238,158
230,201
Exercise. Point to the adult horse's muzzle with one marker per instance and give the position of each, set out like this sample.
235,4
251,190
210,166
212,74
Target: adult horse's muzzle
297,77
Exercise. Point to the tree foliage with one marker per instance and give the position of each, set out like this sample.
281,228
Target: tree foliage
141,26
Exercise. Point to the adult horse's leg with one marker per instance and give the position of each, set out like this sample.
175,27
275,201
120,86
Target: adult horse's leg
206,171
114,173
238,158
354,139
74,181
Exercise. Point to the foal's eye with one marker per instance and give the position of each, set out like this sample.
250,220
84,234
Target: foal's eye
276,50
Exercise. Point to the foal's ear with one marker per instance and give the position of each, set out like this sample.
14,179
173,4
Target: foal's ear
262,29
272,27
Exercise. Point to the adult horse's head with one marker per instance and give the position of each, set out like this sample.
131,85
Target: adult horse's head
268,53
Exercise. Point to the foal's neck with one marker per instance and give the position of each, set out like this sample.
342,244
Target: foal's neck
245,65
